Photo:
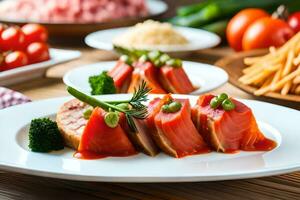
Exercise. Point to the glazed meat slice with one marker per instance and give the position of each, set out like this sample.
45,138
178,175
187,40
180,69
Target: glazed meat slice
121,74
228,131
145,71
176,133
141,139
175,80
100,139
71,122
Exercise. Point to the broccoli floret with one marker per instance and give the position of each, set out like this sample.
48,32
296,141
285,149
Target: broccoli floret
44,136
102,84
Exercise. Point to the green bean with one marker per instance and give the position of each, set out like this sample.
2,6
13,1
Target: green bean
87,114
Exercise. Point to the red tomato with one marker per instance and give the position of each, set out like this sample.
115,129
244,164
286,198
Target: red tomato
238,25
12,38
38,52
15,59
35,33
294,21
267,32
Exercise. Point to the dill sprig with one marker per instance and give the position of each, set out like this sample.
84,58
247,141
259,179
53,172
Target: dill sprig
137,110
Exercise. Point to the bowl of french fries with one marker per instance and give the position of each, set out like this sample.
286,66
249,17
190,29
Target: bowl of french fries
272,73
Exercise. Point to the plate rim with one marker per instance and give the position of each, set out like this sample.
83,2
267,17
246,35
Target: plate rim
267,171
89,40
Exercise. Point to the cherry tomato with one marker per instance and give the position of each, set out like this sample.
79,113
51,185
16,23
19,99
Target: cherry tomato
267,32
15,59
35,33
12,38
294,21
38,52
238,25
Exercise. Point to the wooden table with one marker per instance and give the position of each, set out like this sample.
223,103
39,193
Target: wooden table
18,186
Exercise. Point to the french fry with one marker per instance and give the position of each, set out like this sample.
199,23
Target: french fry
286,88
286,79
277,71
296,80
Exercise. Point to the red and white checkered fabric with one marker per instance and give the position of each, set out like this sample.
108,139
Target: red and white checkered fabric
10,98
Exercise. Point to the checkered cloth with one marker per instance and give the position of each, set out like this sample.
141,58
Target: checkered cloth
10,98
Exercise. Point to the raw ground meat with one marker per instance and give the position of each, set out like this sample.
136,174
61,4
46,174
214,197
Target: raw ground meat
72,11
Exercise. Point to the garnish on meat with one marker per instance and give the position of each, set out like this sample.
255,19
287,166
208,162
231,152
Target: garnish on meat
175,132
44,136
229,130
102,84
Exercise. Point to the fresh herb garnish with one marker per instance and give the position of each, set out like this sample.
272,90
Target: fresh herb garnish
102,84
137,110
222,100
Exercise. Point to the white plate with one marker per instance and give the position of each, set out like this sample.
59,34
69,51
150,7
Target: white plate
28,72
205,77
277,122
198,39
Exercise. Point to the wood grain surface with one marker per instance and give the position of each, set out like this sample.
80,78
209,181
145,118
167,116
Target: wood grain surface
19,186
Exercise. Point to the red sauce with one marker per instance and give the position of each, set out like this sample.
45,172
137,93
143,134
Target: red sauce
87,155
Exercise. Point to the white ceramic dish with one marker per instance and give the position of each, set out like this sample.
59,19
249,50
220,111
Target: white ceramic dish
203,76
28,72
277,122
198,39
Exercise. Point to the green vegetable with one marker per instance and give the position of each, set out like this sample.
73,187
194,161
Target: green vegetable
164,58
174,62
172,107
190,9
222,99
124,106
102,84
215,103
111,119
137,110
228,105
126,59
44,136
218,27
154,55
87,114
220,9
144,58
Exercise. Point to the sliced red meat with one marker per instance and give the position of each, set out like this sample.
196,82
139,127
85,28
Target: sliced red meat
99,139
175,80
229,131
145,71
121,74
176,133
141,139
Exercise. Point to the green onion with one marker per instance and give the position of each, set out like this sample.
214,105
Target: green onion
111,119
228,105
123,106
174,62
126,59
87,114
215,103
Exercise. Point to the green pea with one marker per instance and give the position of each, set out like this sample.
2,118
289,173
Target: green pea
221,97
174,62
87,114
126,59
144,58
124,106
165,108
228,105
154,55
174,106
164,58
215,103
111,119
